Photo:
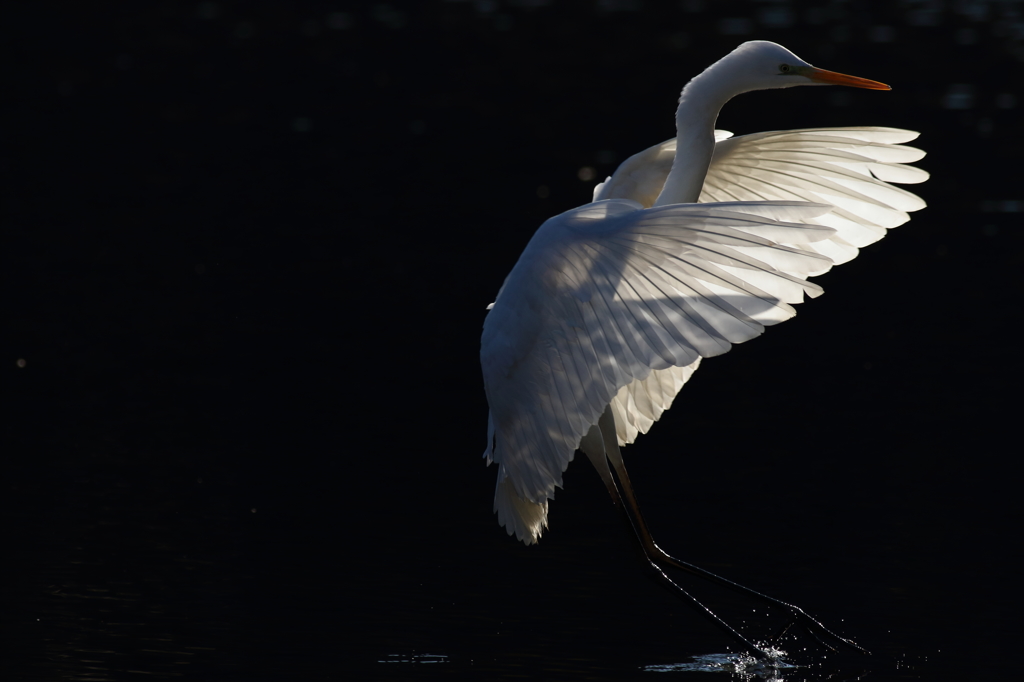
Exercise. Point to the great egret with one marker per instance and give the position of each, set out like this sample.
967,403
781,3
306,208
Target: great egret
691,246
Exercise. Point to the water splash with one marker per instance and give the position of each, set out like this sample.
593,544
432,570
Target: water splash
743,665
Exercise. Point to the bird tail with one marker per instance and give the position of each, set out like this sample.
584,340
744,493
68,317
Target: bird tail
524,518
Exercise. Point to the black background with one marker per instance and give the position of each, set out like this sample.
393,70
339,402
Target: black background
248,247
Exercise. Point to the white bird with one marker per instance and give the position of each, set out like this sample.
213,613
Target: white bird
691,246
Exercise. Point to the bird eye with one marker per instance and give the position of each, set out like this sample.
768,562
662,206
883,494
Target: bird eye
784,68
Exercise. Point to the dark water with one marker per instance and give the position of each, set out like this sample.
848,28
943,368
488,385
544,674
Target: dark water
249,251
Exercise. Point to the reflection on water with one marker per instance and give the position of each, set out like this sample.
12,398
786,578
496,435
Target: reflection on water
744,666
414,658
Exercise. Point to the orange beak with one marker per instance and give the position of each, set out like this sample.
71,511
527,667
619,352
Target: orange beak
832,78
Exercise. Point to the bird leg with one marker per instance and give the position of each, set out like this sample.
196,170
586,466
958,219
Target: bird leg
601,446
596,444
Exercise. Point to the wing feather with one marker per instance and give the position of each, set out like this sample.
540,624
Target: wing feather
635,414
612,303
850,168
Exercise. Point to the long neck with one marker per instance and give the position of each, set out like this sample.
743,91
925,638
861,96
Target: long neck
699,104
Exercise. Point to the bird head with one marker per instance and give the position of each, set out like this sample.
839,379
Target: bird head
762,65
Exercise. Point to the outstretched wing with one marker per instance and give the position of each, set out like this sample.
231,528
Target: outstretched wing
606,294
850,168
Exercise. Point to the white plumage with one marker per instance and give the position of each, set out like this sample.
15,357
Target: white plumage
613,304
